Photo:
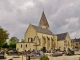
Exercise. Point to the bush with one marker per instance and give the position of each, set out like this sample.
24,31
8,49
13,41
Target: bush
44,57
10,59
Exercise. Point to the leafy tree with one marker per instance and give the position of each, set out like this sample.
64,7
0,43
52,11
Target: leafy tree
3,36
5,45
13,45
13,41
22,40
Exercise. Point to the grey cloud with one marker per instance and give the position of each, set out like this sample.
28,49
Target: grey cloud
16,15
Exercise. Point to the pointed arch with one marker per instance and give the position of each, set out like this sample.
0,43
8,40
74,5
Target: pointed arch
38,40
44,39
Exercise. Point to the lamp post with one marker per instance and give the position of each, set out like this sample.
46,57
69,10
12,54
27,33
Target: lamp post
79,58
22,55
26,56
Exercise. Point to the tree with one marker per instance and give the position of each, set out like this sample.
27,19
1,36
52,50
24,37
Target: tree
13,41
3,36
12,45
5,45
22,40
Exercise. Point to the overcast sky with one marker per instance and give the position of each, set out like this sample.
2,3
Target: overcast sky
62,15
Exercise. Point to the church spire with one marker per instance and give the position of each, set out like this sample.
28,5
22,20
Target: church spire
43,21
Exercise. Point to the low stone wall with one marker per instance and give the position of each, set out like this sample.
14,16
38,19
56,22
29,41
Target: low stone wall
35,59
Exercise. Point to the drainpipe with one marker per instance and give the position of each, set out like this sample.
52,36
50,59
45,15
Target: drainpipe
36,40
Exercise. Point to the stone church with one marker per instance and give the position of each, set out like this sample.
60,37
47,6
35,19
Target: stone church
39,37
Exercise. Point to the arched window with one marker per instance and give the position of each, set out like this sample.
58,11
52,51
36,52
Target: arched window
48,38
52,39
44,39
21,45
26,45
31,39
28,39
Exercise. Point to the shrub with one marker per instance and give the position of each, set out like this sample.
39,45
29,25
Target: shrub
44,57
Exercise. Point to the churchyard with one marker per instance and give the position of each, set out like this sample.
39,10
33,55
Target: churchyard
36,55
74,57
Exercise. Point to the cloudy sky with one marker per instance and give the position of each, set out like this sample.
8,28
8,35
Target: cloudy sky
62,15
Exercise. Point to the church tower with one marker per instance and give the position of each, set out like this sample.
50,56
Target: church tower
43,22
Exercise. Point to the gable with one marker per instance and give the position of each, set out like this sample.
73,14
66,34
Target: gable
30,31
68,37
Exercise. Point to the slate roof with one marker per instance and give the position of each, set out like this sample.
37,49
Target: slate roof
42,30
76,40
61,36
43,20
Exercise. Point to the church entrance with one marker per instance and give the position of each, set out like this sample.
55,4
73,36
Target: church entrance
44,49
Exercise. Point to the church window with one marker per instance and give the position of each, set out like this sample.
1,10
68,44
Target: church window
26,45
48,38
44,39
52,39
28,39
21,45
31,39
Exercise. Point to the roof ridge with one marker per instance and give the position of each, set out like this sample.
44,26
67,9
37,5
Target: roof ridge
62,33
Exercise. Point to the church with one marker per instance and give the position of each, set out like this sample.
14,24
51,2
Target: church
39,37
